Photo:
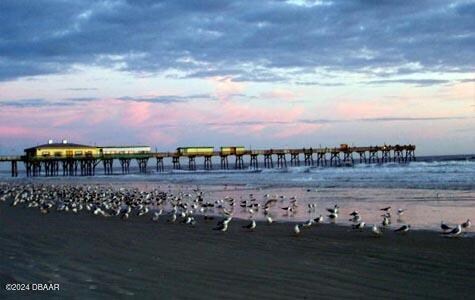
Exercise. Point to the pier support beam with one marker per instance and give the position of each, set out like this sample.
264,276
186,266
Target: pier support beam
224,162
254,163
142,162
14,168
108,166
176,163
160,167
410,155
268,163
191,163
398,156
208,165
348,158
308,158
385,155
335,159
125,165
295,159
362,156
321,159
373,156
239,163
281,161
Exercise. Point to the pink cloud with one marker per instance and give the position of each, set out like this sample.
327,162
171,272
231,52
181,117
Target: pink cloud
279,94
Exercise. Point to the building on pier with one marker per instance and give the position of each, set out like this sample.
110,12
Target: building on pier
61,150
232,150
195,151
112,150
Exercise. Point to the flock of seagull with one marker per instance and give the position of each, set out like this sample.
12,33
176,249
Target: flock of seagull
183,207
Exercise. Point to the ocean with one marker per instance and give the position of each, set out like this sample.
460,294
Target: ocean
431,190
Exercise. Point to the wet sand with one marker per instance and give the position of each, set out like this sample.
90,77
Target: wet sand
97,257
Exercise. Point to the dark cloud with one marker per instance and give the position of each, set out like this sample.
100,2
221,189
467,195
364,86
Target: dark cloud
82,99
266,40
406,119
168,98
24,103
417,82
81,89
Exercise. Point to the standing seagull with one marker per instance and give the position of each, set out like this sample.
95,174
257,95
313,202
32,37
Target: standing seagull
359,226
386,209
466,224
403,228
444,227
297,229
251,226
376,230
454,232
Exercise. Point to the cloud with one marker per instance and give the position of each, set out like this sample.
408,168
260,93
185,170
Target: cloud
417,82
167,98
81,89
25,103
268,40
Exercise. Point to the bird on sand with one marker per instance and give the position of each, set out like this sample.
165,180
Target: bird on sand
445,227
251,226
297,229
358,226
403,228
466,224
376,230
454,232
386,209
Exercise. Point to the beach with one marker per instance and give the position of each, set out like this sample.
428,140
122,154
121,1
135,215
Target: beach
96,257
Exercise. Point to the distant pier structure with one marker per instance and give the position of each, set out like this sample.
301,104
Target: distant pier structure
69,159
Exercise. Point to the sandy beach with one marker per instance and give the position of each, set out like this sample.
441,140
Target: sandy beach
96,257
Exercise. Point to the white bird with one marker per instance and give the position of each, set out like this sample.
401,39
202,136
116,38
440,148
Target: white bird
319,219
269,220
359,226
454,232
309,223
385,222
222,227
250,226
376,230
400,211
467,224
444,227
297,229
403,228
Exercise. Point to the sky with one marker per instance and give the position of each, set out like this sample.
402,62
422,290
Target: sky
263,74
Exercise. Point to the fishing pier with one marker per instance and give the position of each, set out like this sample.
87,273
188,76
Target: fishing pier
65,159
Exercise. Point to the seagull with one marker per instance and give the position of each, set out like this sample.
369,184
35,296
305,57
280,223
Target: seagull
355,218
400,211
333,210
250,226
269,220
403,228
318,219
385,222
222,227
466,224
359,226
444,227
376,230
333,216
297,229
309,223
454,232
386,209
354,213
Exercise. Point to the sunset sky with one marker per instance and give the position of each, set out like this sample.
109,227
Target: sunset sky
258,73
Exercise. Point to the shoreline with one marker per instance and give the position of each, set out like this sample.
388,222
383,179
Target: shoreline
94,256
